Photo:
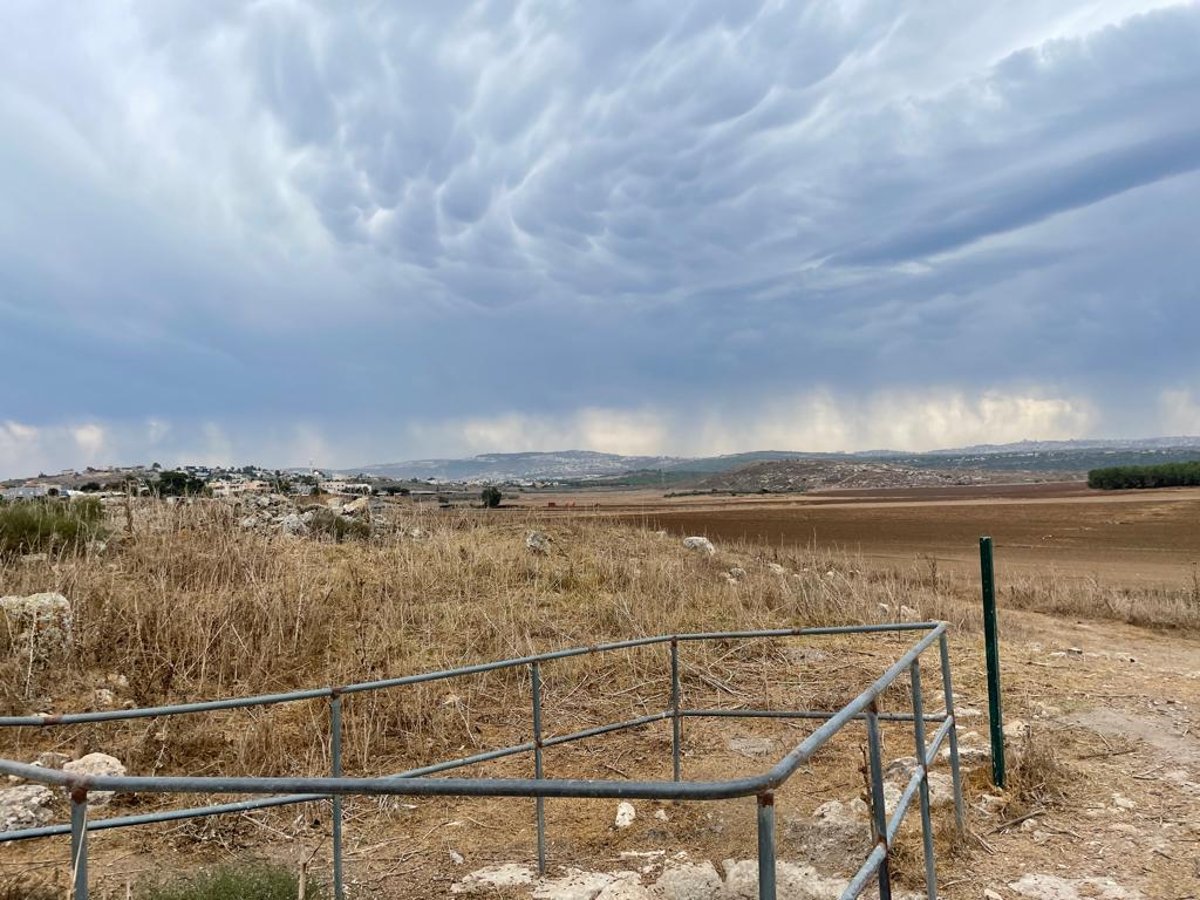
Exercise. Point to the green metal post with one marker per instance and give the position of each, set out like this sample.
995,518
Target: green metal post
991,641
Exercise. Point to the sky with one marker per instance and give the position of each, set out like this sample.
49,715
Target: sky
289,232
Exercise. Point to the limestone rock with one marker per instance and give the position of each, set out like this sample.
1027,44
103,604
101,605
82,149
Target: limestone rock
792,881
537,542
292,524
699,545
40,624
836,837
25,806
96,764
752,746
625,814
491,878
737,573
1037,886
690,881
357,506
776,569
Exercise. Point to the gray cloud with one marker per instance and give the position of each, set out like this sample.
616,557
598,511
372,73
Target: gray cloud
281,215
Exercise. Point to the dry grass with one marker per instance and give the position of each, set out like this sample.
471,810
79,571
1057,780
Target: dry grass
190,606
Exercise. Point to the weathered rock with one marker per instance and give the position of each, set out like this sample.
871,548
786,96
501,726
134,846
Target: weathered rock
1015,731
690,881
357,506
292,524
899,771
39,623
39,630
776,569
752,746
575,885
537,542
25,806
104,698
51,760
626,813
94,764
1037,886
737,573
629,888
248,522
490,878
908,614
835,837
792,881
699,545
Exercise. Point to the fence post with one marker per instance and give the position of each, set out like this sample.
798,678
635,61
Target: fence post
79,851
535,672
948,689
991,642
766,846
676,721
878,805
335,752
918,708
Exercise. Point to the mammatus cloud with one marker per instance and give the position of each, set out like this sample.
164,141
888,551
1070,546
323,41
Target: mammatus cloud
286,229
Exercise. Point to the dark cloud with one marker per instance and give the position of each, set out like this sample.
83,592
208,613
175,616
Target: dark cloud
244,220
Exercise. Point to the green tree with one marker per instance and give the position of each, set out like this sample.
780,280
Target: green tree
491,496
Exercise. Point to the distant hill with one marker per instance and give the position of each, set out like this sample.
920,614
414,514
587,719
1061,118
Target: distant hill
579,466
776,476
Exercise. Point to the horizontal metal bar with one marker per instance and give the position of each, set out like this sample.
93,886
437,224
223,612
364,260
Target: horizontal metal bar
168,815
250,805
421,786
424,677
605,729
786,766
865,873
794,714
146,712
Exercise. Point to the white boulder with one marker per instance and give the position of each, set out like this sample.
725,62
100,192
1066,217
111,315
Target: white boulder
25,806
625,814
96,764
699,545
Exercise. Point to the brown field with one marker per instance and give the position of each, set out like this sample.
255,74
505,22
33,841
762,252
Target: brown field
1064,530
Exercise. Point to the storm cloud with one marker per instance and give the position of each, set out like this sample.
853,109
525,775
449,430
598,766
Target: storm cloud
293,231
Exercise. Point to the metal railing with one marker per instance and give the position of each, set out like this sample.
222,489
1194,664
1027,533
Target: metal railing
417,782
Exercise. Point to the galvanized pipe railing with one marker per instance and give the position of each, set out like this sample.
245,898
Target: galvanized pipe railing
416,782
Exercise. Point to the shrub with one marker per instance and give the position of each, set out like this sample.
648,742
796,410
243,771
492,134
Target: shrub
34,526
178,484
256,881
340,528
491,496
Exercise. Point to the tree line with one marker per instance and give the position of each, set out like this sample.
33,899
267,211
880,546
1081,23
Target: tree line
1178,474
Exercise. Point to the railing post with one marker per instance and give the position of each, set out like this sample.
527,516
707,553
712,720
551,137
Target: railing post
878,807
676,719
991,644
948,690
79,851
335,753
766,846
918,707
535,671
